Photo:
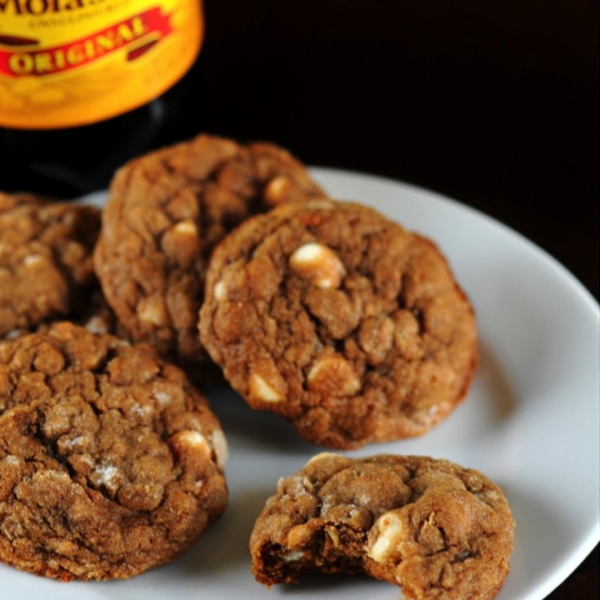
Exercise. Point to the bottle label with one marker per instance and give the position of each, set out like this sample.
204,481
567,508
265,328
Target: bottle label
74,62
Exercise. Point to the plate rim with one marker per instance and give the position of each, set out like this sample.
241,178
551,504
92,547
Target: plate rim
445,199
588,542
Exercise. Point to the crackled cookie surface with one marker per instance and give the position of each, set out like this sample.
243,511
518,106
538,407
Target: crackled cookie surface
111,463
440,531
46,266
165,213
340,320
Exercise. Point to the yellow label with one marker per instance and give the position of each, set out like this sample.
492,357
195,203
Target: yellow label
74,62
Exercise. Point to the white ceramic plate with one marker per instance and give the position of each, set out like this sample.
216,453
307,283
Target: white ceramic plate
530,422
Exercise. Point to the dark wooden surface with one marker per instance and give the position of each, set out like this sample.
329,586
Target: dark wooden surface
491,103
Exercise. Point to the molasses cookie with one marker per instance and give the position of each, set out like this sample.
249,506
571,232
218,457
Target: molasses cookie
340,320
165,212
440,531
111,462
46,265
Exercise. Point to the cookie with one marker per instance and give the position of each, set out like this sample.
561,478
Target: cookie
111,462
165,212
46,268
438,530
341,321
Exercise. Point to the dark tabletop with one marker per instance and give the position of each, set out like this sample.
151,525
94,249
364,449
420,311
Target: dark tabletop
494,104
491,103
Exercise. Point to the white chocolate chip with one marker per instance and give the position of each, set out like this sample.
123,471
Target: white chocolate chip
318,264
152,310
390,534
192,440
32,260
333,375
221,450
185,228
97,324
181,243
262,390
220,291
276,189
293,556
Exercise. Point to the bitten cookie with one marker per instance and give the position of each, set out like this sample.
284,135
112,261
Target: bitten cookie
46,268
165,212
440,531
111,463
341,321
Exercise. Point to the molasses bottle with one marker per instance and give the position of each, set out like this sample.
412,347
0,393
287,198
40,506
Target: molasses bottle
85,85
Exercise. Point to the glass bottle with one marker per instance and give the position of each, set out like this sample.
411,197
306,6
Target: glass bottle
85,85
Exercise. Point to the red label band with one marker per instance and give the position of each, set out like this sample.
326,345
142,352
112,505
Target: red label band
149,24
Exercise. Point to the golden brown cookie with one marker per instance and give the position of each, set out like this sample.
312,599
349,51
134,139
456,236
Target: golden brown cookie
46,268
438,530
165,212
340,320
111,462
